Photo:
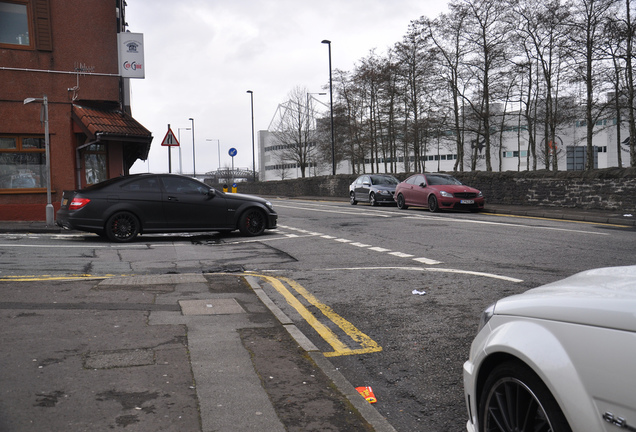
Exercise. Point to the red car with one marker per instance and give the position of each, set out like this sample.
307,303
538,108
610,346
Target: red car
437,192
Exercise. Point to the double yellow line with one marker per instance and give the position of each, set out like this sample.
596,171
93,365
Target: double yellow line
366,344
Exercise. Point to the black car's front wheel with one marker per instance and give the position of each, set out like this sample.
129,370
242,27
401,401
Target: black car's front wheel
122,227
514,399
252,222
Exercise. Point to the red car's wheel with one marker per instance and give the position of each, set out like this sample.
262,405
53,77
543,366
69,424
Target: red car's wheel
432,203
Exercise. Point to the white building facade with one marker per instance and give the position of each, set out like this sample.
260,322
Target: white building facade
510,155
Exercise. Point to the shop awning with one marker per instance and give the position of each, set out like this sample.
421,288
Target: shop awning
103,122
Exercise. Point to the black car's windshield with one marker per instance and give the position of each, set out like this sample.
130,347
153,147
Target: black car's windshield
382,180
442,180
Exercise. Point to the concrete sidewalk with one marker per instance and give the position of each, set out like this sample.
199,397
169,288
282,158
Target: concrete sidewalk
180,352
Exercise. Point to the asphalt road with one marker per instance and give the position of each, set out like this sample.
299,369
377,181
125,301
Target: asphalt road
391,297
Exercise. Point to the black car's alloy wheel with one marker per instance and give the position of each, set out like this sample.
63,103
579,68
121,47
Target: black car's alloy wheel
401,203
252,222
122,227
352,198
432,204
514,399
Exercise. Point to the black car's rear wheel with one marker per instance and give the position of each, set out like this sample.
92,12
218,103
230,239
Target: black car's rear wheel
122,227
401,203
352,198
252,222
514,399
432,204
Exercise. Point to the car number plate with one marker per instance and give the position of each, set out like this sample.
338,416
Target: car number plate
467,202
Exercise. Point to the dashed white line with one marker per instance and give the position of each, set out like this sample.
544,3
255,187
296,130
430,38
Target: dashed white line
401,254
379,249
427,261
422,260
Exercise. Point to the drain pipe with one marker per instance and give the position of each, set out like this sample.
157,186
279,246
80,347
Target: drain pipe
78,160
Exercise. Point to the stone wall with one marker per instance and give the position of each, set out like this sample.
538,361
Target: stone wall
605,189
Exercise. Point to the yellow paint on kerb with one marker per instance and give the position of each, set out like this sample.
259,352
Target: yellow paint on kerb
34,278
367,345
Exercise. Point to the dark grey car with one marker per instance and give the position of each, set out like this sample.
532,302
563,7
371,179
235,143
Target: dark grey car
373,188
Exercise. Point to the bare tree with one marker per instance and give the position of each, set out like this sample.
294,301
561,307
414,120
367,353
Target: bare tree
630,31
295,132
587,26
487,31
446,33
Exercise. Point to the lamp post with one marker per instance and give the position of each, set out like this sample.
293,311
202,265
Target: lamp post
194,165
47,150
179,139
218,142
333,140
253,151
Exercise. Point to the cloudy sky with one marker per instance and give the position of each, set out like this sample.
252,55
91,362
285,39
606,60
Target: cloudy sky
201,57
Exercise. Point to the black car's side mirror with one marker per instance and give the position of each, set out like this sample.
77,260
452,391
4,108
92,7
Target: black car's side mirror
211,193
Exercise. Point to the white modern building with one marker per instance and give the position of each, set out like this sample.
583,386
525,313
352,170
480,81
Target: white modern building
510,155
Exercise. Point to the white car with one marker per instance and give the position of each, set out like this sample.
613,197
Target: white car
561,357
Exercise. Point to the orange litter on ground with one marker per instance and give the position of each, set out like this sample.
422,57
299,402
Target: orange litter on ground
367,393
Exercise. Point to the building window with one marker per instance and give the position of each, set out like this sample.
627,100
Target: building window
22,162
95,164
15,24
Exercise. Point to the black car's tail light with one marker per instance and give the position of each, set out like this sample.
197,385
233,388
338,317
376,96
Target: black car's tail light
78,203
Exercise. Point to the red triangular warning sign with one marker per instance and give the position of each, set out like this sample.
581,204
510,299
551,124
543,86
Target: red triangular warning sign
170,140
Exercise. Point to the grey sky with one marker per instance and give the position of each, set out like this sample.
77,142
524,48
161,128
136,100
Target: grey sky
201,57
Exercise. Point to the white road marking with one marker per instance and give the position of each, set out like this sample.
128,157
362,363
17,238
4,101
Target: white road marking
417,269
348,212
361,245
401,254
483,222
422,260
427,261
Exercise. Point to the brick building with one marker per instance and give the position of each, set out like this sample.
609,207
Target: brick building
64,52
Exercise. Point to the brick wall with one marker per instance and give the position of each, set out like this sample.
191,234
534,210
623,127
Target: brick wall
606,189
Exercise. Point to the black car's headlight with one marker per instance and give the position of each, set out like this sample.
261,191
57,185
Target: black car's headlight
269,205
485,316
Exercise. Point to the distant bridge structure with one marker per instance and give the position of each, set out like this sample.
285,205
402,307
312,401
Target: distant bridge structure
226,176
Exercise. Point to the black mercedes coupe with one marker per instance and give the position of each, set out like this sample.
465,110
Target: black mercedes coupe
124,207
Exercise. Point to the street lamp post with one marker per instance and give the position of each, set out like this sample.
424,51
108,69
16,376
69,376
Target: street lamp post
253,151
47,150
179,139
333,140
194,165
218,142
